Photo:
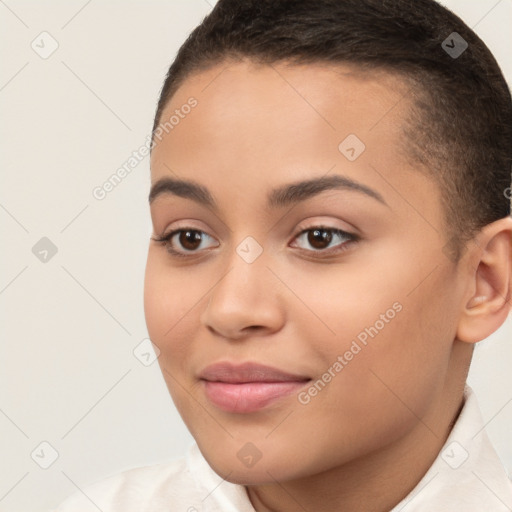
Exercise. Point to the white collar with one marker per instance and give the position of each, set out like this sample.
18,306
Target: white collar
467,474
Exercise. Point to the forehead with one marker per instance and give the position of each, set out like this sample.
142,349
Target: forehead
255,127
239,99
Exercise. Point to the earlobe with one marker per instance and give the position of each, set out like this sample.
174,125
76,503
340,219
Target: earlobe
476,301
489,286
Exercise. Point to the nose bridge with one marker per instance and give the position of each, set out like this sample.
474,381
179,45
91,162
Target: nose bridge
247,274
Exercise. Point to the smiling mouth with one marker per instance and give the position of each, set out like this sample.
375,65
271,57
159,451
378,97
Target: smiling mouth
248,387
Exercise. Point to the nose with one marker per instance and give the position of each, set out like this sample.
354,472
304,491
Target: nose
245,301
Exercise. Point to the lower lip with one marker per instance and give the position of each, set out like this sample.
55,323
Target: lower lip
249,396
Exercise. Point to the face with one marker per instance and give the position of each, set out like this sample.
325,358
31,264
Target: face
303,296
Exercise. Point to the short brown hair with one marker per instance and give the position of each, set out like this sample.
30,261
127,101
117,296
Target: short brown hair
460,127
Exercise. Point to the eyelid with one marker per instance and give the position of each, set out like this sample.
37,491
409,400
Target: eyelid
347,228
181,226
325,227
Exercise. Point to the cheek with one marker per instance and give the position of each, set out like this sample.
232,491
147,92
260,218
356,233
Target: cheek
168,309
406,361
170,302
158,303
394,340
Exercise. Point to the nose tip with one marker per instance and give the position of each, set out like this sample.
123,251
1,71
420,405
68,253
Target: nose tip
243,304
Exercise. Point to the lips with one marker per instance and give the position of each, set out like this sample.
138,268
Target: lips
247,387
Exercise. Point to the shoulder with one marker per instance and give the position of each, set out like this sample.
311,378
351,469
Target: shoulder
156,486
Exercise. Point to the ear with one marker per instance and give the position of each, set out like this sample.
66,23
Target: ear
488,298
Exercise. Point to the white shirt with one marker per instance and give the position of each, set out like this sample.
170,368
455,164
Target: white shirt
467,475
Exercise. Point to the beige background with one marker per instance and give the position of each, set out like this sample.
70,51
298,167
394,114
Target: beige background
68,375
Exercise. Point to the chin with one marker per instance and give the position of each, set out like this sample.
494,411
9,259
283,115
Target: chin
259,474
235,465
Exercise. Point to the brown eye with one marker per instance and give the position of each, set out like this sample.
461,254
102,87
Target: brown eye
185,242
190,239
319,238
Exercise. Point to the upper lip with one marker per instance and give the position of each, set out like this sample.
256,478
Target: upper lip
247,372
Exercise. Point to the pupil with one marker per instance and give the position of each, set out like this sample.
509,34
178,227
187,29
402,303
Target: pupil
319,238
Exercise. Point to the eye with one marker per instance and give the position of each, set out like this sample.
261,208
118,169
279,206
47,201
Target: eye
190,239
321,237
185,242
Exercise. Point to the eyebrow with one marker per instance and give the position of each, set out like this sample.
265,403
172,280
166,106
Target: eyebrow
278,198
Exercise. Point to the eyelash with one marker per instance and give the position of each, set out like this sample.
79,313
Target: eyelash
165,239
